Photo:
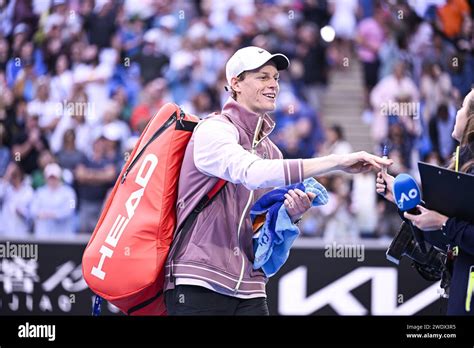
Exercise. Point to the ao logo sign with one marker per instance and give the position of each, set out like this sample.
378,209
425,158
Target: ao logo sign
412,194
144,174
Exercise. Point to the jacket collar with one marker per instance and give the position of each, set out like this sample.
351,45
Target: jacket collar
247,119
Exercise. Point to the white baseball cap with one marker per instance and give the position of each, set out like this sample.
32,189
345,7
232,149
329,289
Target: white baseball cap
53,169
250,58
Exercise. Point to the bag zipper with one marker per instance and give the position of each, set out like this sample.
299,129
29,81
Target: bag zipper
164,127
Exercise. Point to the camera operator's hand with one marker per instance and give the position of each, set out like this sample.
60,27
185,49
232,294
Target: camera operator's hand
427,220
384,186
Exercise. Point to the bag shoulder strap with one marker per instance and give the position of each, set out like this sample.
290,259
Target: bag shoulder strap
188,222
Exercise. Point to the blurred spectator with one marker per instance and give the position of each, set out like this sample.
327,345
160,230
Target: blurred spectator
125,107
37,177
23,13
316,11
369,38
465,41
401,146
389,220
15,119
27,56
94,175
393,50
344,22
451,17
53,204
131,34
77,47
335,142
440,52
179,74
62,81
364,204
395,100
65,23
153,99
25,84
163,34
99,22
461,71
339,225
435,89
44,106
201,104
312,223
125,83
111,124
15,198
343,18
21,34
75,117
312,53
69,156
28,144
440,128
151,60
418,44
113,150
93,73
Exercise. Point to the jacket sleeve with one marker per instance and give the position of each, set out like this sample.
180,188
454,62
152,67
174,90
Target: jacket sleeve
461,233
217,153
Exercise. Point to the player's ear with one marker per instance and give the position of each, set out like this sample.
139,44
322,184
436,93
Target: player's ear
236,84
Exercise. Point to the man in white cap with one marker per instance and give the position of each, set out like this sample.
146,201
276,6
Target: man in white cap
53,206
210,271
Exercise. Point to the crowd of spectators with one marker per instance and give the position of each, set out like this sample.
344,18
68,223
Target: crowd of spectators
80,79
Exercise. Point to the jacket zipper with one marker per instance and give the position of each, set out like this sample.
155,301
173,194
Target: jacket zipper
160,130
242,217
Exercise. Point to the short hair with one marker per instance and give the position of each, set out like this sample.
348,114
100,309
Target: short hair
240,77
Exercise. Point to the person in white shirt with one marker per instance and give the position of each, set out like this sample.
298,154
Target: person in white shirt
15,197
43,106
53,206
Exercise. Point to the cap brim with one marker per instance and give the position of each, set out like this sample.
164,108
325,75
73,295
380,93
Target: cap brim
280,60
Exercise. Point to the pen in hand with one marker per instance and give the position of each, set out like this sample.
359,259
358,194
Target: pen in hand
384,168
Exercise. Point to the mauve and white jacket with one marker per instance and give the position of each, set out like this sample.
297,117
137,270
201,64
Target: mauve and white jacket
217,252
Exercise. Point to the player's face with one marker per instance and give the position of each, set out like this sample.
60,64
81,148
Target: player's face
461,118
259,89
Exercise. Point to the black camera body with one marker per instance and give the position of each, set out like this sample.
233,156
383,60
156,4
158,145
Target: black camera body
429,262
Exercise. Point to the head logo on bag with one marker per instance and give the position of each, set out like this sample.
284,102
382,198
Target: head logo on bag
144,174
125,257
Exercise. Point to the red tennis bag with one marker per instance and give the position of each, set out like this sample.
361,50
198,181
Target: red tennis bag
125,258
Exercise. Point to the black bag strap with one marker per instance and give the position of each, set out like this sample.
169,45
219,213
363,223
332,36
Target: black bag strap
188,222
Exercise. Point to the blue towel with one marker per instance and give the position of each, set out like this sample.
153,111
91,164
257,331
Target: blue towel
273,242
